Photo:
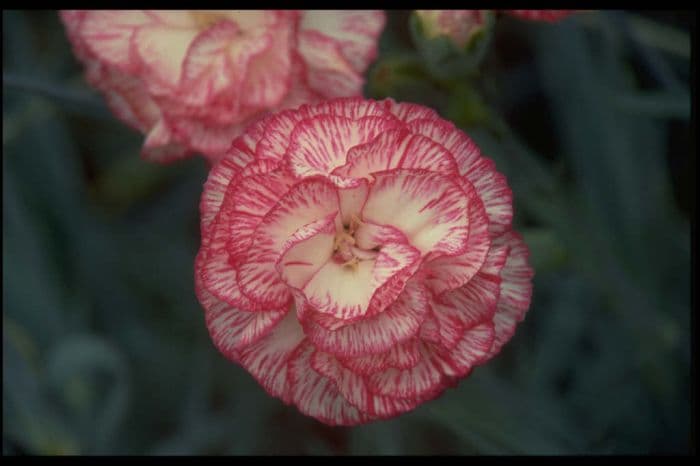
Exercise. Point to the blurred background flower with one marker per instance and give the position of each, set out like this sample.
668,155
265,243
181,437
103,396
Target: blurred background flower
104,347
192,80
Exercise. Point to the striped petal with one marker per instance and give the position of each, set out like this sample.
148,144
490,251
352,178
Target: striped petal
423,380
217,62
471,350
320,144
161,50
355,31
471,304
397,148
516,289
268,77
328,71
267,359
280,126
318,396
306,251
402,355
108,35
429,208
450,272
377,334
306,202
490,185
349,292
230,328
353,388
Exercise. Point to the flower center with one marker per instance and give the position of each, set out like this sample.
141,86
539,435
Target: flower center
345,252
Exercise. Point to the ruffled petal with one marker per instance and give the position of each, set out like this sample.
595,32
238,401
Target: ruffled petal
318,396
349,292
450,272
305,202
230,328
107,33
397,323
161,50
306,251
353,388
474,303
356,32
491,186
397,148
516,289
321,143
268,359
429,208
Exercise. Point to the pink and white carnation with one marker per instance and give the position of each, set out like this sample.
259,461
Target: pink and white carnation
358,257
191,81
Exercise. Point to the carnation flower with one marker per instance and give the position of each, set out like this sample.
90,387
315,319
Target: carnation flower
191,81
358,257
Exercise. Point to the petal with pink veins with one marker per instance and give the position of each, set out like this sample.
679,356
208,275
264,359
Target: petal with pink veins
267,359
352,200
495,193
407,112
161,50
217,62
355,31
306,202
318,396
218,274
450,272
429,208
252,197
211,140
220,176
306,251
230,328
328,72
108,35
396,148
471,304
349,292
403,355
464,150
319,144
422,380
353,388
491,186
268,77
280,126
472,349
516,289
379,333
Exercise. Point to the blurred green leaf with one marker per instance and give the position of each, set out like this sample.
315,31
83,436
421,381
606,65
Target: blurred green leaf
91,378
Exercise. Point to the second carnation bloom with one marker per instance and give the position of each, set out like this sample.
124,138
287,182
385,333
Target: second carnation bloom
192,81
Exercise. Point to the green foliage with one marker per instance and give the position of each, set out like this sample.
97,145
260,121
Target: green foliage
104,344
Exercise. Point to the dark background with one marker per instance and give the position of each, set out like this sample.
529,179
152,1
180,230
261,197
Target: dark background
105,350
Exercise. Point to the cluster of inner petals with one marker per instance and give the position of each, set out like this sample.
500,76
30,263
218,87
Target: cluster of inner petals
345,251
358,258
